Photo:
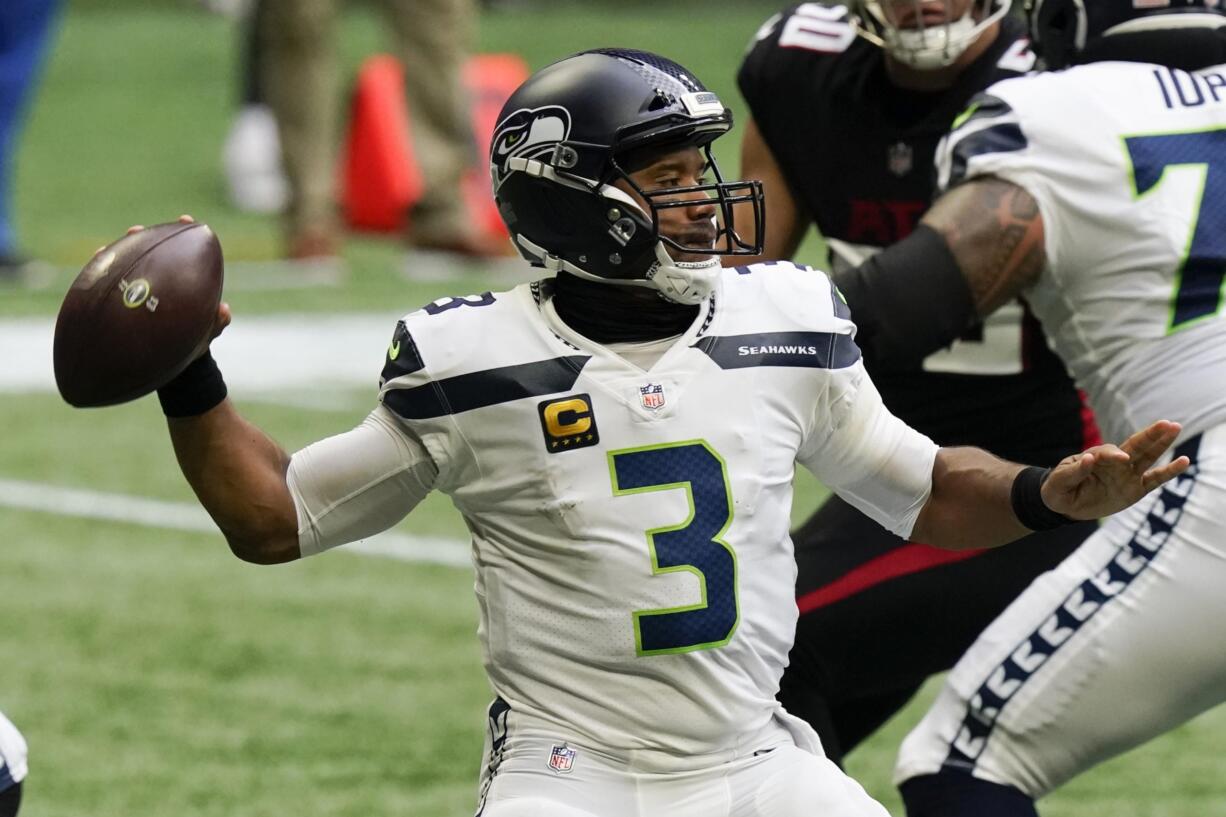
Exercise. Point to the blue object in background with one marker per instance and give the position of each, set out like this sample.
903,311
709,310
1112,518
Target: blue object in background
24,29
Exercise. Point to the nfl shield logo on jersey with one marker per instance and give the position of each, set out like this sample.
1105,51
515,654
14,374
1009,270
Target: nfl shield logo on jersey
562,759
652,396
901,159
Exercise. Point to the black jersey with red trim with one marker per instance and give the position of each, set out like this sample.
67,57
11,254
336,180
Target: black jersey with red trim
858,154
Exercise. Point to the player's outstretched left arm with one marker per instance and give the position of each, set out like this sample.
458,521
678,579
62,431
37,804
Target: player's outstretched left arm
963,498
978,500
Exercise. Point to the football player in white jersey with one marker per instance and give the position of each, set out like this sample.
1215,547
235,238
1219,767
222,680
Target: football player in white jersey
826,111
12,767
1098,193
621,441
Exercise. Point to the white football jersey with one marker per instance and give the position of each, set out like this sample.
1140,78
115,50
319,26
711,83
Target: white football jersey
634,570
12,754
1127,162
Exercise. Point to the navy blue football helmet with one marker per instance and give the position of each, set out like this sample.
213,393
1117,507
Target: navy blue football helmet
563,138
1061,29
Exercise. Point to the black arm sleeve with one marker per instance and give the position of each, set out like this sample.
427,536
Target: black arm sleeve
908,300
10,801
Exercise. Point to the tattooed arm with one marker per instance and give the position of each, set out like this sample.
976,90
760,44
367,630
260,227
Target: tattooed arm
979,247
995,232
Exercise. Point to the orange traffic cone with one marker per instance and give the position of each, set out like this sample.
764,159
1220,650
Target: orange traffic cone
490,80
380,179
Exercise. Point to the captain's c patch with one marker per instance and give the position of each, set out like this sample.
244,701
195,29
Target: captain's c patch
568,423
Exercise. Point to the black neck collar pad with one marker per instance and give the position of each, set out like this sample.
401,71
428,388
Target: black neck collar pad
612,313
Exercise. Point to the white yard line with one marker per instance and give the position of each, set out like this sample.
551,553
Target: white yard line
260,276
312,362
186,516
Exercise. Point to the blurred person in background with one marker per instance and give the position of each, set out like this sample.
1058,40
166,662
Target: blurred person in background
12,767
24,29
300,82
251,156
848,105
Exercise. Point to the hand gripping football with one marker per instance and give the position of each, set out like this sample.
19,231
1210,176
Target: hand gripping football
140,311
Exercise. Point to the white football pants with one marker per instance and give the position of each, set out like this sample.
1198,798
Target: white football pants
538,775
1120,643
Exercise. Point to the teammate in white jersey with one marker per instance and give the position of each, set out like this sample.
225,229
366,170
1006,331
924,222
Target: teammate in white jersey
621,441
12,767
1098,193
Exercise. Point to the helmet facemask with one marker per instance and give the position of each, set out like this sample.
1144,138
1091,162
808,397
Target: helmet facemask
725,195
898,26
676,277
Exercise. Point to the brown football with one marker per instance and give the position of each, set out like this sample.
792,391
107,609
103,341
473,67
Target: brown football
141,310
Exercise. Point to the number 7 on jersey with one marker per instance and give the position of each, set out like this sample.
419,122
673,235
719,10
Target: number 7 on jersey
1199,279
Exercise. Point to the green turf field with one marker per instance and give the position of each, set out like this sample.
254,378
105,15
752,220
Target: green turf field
153,673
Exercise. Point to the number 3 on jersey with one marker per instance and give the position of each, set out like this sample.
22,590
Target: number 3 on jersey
1198,287
693,546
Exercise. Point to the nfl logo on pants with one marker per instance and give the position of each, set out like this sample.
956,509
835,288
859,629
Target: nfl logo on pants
562,759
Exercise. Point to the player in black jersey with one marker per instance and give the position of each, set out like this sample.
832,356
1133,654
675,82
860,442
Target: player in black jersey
847,109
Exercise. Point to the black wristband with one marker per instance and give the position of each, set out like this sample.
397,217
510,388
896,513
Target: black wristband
1028,504
195,390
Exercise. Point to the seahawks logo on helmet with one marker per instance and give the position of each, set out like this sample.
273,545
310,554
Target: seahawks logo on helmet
527,133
